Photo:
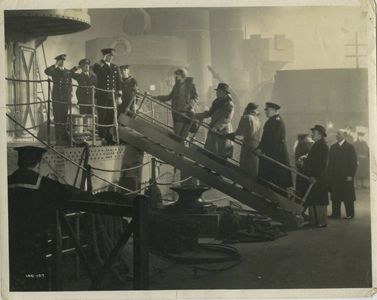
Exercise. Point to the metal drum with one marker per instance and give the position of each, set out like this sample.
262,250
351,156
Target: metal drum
78,124
88,123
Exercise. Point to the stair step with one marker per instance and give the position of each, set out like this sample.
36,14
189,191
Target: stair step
249,198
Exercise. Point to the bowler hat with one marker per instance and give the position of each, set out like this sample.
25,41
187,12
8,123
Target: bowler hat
61,57
29,154
107,51
223,87
84,61
272,105
320,129
122,67
252,106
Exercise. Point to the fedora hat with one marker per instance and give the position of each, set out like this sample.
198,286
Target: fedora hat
320,129
223,87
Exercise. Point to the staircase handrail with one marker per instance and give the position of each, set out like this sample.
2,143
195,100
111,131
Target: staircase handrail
207,126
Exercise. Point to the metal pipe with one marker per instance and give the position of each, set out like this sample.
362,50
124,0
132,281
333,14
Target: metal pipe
70,123
58,284
142,101
48,111
115,117
77,221
308,191
153,112
93,117
154,182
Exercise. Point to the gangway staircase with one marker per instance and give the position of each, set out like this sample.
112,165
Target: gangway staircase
151,136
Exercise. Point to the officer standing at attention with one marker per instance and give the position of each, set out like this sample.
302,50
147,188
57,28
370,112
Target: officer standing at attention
86,79
273,144
61,97
32,203
108,76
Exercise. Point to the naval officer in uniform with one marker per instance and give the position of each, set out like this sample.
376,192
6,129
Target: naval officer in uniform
61,97
32,203
85,79
129,90
273,144
109,79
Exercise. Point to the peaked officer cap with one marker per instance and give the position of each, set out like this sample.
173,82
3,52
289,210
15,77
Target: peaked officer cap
106,51
84,61
272,105
61,57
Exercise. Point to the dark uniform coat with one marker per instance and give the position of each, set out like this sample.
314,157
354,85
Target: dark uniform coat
273,144
32,202
129,90
61,92
84,94
62,83
342,164
108,79
315,165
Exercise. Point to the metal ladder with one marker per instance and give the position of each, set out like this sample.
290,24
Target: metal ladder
41,95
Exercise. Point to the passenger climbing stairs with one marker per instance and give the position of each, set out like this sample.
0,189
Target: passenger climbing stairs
145,132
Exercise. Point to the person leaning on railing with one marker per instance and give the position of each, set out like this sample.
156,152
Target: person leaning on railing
249,128
129,90
221,114
314,165
85,79
184,98
61,97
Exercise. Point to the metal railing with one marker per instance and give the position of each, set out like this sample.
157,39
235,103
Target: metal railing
69,122
143,99
146,107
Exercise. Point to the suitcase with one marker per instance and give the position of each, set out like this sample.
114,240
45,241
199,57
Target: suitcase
318,215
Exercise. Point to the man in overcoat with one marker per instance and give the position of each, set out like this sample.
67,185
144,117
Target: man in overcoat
85,79
273,144
184,98
221,114
61,97
314,166
109,79
341,172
